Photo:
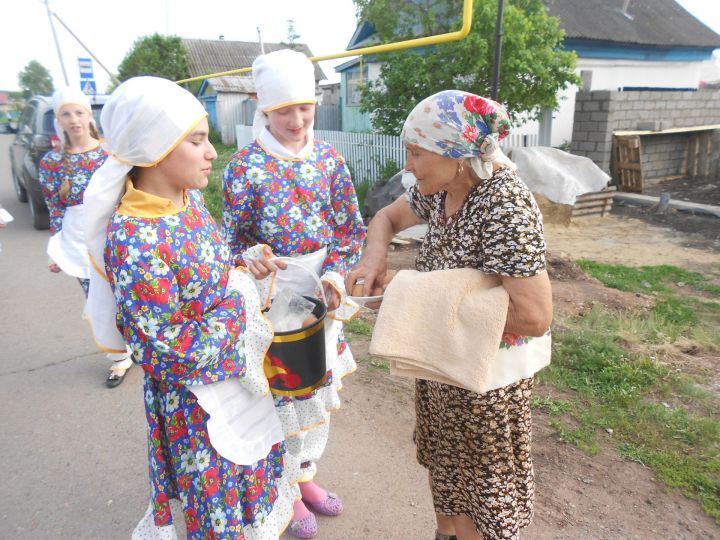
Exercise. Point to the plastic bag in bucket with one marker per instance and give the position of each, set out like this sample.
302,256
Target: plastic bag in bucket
295,362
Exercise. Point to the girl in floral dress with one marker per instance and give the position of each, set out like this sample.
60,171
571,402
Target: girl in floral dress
163,282
64,175
293,193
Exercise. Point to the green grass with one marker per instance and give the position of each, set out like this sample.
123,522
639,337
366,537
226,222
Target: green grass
678,311
358,326
213,193
375,363
654,414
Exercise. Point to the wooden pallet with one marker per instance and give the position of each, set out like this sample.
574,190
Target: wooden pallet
626,167
598,203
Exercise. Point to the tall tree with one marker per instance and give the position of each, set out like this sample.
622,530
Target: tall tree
533,66
292,35
161,56
35,79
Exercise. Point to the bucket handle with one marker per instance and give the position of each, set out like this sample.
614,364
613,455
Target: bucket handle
308,269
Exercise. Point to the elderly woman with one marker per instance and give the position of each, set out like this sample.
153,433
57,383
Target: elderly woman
480,215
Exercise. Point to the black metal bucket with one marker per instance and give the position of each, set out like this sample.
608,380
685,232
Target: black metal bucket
295,362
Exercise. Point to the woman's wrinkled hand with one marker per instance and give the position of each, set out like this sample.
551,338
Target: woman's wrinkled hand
371,270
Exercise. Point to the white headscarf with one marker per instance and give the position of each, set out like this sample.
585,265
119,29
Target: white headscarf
143,121
65,96
282,78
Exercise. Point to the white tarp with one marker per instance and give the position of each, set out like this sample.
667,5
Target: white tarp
557,175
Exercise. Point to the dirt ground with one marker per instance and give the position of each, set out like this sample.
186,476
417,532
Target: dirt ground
581,496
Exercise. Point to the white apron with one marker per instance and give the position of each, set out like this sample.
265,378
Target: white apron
67,247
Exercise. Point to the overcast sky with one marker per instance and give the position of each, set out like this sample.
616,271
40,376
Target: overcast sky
109,31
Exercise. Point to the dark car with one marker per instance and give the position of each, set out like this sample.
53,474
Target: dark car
34,137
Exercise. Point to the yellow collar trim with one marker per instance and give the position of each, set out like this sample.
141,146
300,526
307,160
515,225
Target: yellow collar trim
136,203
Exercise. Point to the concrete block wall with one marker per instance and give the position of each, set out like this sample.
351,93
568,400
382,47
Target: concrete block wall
599,113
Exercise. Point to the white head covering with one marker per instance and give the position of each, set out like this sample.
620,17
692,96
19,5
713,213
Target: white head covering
282,78
143,121
65,96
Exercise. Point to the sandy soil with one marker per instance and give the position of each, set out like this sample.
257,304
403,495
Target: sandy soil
578,496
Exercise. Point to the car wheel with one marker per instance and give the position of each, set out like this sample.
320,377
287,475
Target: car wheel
39,212
20,191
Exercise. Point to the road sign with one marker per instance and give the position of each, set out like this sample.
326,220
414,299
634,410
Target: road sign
88,87
86,68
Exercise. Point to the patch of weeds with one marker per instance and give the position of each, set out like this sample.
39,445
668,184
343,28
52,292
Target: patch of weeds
676,312
645,279
213,193
361,189
375,363
696,478
583,437
358,326
622,392
553,406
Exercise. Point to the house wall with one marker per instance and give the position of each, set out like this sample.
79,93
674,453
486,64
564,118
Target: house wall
352,119
229,114
600,113
615,74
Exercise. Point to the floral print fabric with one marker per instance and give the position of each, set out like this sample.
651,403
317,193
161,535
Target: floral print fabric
480,468
477,446
53,174
169,275
295,206
456,124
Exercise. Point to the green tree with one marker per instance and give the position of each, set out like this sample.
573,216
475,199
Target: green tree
35,79
292,35
161,56
533,65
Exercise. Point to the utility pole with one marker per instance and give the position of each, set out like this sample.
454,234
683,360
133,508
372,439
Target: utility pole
498,48
262,47
57,44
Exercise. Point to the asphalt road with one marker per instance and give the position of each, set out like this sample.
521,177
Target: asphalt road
72,452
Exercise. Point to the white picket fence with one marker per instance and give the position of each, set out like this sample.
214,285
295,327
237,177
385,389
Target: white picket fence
371,156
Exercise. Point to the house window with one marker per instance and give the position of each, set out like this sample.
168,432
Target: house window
354,86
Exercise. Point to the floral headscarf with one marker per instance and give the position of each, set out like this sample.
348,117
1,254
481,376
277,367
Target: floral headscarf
459,124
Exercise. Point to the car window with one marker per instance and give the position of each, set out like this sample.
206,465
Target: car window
26,116
47,125
96,110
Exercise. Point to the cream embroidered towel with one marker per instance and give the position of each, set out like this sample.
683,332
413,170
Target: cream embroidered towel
444,325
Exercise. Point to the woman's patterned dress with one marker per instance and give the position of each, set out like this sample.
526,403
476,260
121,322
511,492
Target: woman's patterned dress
476,447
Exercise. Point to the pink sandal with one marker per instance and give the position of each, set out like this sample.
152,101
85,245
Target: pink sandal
331,506
304,528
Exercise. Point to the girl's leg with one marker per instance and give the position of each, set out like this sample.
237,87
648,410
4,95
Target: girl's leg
303,524
320,499
121,362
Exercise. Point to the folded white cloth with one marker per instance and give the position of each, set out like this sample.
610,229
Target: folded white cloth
443,326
